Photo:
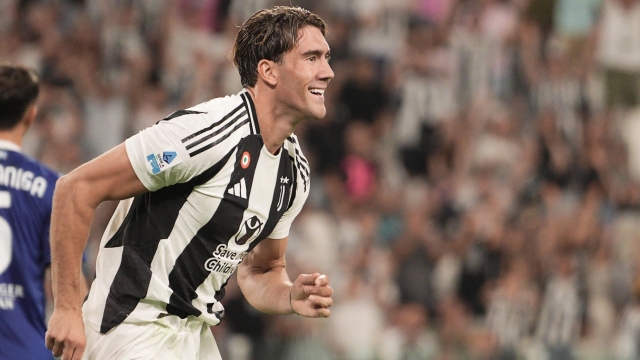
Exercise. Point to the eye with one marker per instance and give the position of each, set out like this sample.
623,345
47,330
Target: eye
313,58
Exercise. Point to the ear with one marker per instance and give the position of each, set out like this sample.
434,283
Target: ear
268,72
30,116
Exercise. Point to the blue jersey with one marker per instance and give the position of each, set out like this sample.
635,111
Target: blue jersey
26,192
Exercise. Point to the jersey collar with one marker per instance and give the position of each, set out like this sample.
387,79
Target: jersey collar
251,110
8,145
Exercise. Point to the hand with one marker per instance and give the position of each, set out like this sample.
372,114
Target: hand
311,296
65,335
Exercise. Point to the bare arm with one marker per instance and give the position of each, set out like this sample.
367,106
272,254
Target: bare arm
265,284
76,197
84,288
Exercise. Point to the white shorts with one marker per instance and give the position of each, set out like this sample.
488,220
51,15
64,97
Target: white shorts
166,338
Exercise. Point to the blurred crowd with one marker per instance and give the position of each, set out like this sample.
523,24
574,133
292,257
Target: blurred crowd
476,181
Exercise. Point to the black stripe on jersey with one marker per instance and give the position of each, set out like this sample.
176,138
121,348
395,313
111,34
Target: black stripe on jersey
178,113
304,173
221,139
304,160
224,118
151,218
248,103
294,171
218,131
305,180
304,163
189,269
285,169
301,163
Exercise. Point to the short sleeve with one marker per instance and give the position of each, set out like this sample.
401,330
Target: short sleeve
160,158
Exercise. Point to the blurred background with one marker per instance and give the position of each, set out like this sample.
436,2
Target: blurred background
476,181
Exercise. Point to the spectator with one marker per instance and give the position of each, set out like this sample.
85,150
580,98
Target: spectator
560,311
617,51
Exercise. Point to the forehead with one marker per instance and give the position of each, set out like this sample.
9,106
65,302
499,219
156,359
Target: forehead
310,38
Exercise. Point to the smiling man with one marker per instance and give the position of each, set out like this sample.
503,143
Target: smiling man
204,192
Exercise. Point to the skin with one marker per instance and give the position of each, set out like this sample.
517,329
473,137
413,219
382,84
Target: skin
282,95
282,100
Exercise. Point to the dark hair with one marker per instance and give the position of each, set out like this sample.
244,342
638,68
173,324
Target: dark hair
19,87
269,34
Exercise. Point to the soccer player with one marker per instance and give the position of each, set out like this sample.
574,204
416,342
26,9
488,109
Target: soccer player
204,192
26,192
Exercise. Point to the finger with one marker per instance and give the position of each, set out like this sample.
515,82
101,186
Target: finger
312,311
77,354
322,280
308,279
49,341
323,312
320,301
58,346
68,352
321,290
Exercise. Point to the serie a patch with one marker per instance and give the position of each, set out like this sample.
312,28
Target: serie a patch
158,162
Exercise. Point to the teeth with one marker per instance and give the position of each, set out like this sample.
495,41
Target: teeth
317,91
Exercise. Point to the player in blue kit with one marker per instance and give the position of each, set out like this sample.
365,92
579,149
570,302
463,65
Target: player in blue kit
26,191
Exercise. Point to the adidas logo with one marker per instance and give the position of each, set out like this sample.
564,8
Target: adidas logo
239,189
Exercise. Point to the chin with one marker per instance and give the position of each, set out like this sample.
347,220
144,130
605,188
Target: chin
318,113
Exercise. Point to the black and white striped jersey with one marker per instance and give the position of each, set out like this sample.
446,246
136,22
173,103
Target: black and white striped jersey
214,193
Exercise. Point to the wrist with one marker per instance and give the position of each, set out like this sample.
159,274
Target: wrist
291,301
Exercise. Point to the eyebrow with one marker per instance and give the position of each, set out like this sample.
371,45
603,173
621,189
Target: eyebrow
316,53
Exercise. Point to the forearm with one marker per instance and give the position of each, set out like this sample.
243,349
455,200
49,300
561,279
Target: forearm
266,290
71,217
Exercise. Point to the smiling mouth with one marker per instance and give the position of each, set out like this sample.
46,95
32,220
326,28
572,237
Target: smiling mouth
317,92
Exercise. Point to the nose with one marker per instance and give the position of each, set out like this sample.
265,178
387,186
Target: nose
326,73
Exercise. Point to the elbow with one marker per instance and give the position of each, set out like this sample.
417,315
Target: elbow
64,188
69,186
75,188
73,178
65,182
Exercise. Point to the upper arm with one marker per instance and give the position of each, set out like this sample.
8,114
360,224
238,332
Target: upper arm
107,177
267,255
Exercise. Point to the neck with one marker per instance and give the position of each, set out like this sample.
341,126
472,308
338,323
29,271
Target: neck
275,124
14,135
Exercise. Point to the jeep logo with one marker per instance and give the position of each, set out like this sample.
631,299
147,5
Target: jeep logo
249,230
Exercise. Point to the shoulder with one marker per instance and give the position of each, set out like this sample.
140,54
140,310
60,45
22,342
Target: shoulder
221,106
212,111
191,141
213,121
218,123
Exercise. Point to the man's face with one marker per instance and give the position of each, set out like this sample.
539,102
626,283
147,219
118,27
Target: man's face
303,75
